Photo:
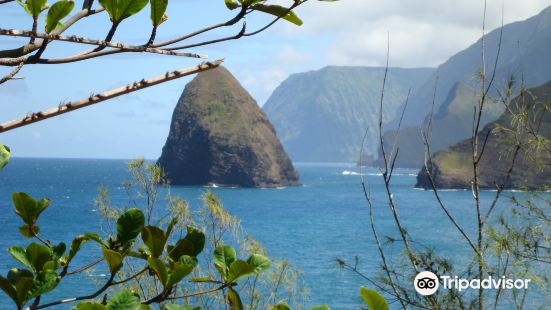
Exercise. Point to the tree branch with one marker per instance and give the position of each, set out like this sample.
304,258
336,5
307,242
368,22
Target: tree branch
72,106
101,43
230,22
29,48
10,75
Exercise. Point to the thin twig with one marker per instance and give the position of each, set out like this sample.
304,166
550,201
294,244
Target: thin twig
10,75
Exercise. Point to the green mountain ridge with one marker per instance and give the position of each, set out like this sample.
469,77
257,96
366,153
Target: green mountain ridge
321,116
450,124
524,55
452,167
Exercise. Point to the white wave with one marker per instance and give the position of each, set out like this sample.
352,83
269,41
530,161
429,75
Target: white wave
405,174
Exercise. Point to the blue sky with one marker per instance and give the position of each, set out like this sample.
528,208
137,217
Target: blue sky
349,32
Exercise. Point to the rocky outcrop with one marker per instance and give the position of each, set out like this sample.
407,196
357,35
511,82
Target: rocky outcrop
452,168
219,135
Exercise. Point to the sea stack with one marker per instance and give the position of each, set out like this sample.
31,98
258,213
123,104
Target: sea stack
219,136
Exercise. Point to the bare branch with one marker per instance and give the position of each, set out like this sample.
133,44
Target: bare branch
91,296
29,48
230,22
234,37
103,43
10,75
72,106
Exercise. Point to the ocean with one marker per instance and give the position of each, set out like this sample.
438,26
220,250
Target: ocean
311,225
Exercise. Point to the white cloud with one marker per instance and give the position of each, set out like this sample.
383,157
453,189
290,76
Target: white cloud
354,32
422,32
290,56
262,82
261,77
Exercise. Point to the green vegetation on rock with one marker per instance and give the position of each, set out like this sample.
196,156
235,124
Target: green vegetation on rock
220,136
527,123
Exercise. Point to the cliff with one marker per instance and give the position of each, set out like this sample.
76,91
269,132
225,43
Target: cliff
321,116
452,168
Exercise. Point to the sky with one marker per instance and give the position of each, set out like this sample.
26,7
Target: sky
423,33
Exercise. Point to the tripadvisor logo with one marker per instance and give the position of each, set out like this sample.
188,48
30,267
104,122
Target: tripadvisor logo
426,283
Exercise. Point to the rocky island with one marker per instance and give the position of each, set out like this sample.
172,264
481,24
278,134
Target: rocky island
219,136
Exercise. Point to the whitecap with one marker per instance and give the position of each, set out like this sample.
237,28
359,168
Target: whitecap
348,172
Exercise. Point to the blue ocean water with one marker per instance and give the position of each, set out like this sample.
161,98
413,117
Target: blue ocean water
311,225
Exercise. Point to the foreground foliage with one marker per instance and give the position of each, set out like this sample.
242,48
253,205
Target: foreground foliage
153,265
46,264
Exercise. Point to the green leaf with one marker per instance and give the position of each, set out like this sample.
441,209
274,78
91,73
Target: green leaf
259,262
159,268
8,289
15,274
26,231
158,9
121,9
89,306
4,156
224,255
57,12
180,270
279,11
232,5
93,237
192,244
111,7
373,299
21,281
124,300
281,306
129,225
319,307
234,300
154,239
43,283
182,247
113,259
33,7
127,8
52,265
197,238
239,269
59,249
19,254
38,255
28,208
79,241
